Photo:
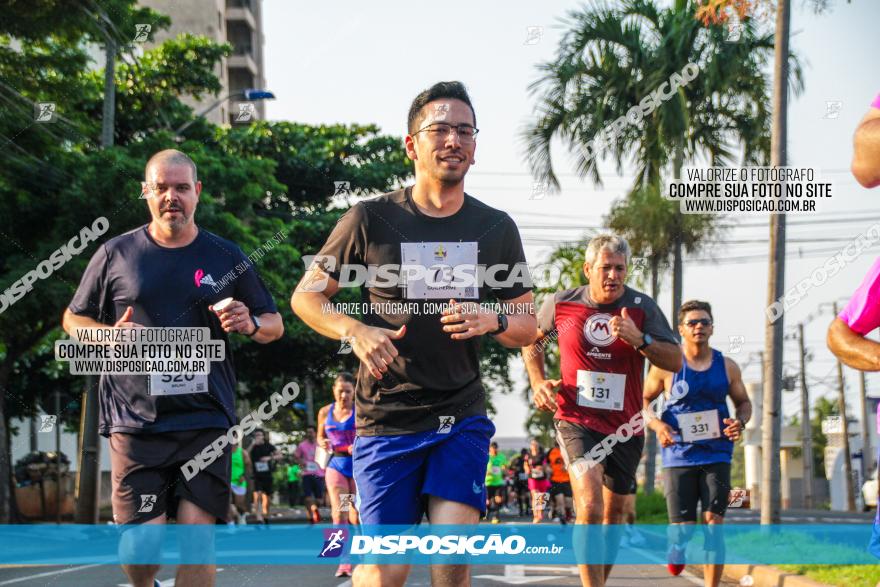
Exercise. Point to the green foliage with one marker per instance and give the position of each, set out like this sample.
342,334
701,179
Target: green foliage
651,508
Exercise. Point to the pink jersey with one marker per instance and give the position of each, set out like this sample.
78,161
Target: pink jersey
306,451
876,102
862,313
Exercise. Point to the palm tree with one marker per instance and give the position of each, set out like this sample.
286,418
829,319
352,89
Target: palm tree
610,59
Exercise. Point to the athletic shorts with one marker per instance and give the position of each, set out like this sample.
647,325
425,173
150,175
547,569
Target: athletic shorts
147,481
333,478
313,486
686,486
395,474
576,441
495,490
263,483
563,487
540,485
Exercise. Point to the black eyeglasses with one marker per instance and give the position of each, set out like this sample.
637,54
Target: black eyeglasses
703,321
440,131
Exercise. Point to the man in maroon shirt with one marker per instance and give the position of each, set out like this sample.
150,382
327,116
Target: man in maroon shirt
605,331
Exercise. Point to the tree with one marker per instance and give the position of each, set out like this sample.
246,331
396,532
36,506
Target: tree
610,60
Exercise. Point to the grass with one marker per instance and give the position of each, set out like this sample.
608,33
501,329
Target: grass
651,509
840,575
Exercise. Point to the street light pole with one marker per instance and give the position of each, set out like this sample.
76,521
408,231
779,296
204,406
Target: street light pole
847,459
806,427
248,94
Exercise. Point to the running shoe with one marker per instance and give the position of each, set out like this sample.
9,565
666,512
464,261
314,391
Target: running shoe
495,520
676,561
634,537
343,570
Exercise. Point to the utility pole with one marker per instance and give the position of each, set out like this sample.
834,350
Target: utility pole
806,427
847,458
88,482
867,454
770,494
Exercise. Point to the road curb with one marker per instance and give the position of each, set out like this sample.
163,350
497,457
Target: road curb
762,575
766,576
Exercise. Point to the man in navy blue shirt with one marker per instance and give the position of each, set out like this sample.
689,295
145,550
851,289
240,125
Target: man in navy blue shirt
165,274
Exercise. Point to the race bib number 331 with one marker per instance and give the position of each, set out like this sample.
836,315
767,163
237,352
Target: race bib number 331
699,425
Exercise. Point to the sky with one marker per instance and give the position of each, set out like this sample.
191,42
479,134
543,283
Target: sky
348,62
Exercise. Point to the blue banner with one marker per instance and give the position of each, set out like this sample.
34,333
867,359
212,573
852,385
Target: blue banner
49,544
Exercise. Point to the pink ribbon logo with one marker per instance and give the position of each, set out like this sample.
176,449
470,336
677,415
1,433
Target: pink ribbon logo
198,277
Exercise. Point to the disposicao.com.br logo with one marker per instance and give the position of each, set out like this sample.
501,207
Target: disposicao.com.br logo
475,545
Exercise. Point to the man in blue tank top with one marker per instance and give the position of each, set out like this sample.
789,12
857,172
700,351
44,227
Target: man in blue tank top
696,433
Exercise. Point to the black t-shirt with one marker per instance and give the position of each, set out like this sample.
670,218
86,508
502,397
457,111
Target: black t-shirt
168,287
258,451
433,376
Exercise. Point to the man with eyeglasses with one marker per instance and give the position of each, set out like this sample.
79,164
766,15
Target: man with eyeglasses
422,433
163,274
605,331
696,434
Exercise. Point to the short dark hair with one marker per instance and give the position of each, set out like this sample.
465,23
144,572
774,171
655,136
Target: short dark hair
439,90
261,431
174,157
494,445
694,305
345,377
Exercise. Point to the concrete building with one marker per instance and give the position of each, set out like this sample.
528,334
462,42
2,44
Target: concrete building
237,22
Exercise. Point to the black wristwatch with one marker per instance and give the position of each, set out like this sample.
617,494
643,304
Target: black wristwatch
256,326
648,339
502,325
742,423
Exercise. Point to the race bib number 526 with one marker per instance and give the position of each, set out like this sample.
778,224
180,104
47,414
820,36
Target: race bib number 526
178,383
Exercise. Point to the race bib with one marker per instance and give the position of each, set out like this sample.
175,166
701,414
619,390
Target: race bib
178,383
261,466
699,425
496,471
311,466
522,476
538,472
440,270
603,391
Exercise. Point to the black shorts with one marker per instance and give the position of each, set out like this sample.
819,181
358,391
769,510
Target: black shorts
563,487
685,486
576,441
313,486
495,490
147,480
263,483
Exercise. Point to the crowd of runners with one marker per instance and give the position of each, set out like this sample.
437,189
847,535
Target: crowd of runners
409,434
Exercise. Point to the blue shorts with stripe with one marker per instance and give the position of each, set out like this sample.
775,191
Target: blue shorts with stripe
395,474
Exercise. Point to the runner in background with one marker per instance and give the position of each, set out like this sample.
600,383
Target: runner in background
696,434
263,455
240,465
560,486
537,469
293,483
605,331
495,482
312,475
866,148
336,435
521,482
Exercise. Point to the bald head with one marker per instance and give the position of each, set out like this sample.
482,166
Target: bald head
171,157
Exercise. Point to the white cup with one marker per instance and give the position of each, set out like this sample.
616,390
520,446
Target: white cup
219,306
